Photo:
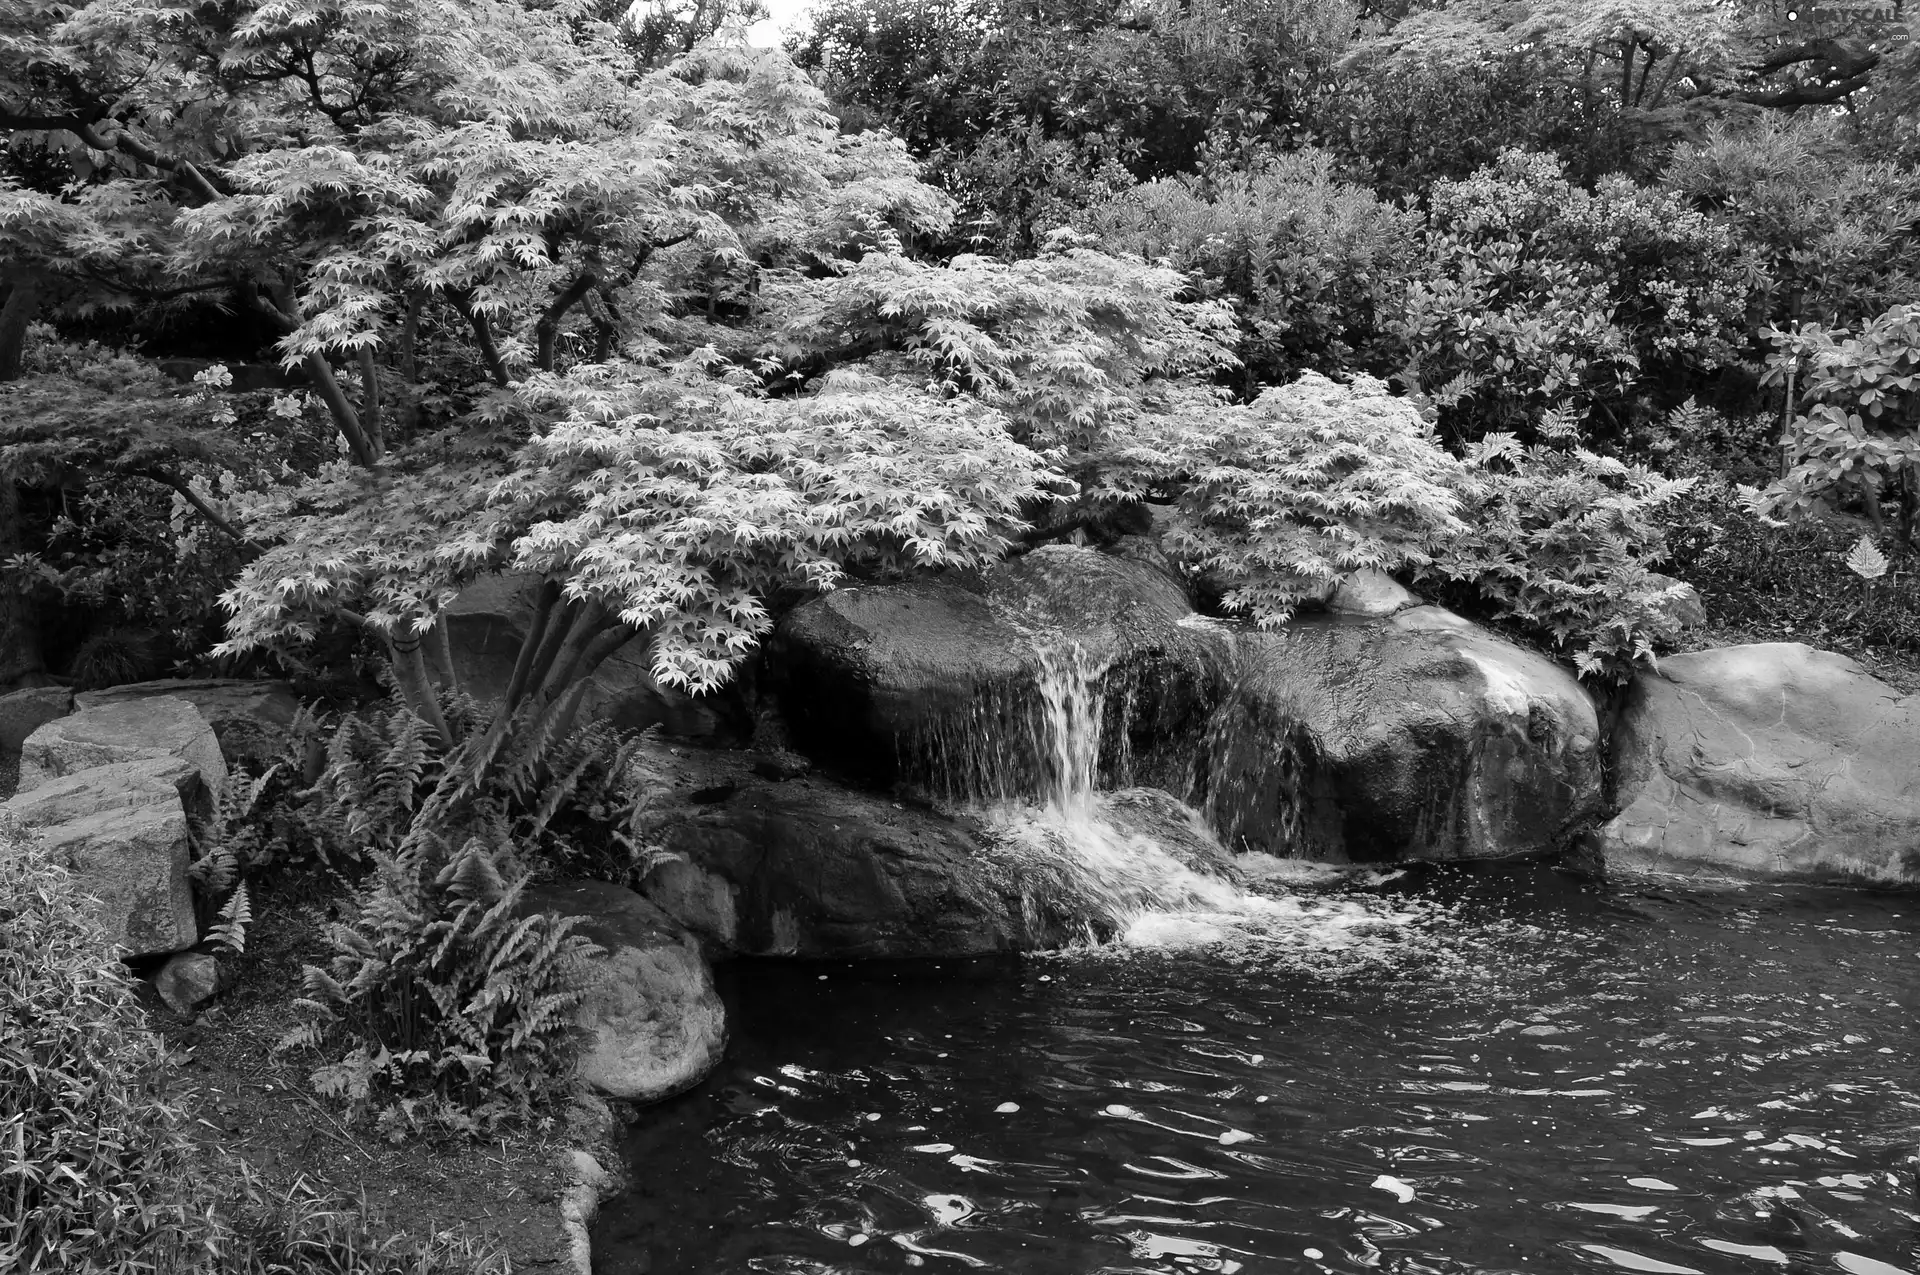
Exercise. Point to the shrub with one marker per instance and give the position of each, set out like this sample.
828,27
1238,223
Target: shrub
1280,500
1765,580
97,1172
1859,436
1830,231
1538,293
1560,543
1312,264
453,1007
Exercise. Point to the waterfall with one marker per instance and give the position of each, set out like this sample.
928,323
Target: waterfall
1138,865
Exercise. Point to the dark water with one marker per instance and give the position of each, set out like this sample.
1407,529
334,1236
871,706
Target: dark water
1564,1078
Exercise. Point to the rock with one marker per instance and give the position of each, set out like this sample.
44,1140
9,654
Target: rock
1421,737
24,711
160,726
122,828
1372,593
1680,608
937,682
487,623
187,979
810,868
1771,761
158,780
654,1023
815,871
249,717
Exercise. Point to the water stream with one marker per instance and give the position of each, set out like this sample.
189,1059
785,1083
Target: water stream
1498,1071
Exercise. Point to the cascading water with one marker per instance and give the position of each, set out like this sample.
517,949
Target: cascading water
1141,866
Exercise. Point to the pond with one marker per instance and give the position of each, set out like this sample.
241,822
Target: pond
1508,1071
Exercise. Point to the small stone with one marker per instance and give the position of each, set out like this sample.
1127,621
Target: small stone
187,979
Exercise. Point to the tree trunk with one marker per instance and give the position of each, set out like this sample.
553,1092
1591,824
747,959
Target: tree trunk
16,312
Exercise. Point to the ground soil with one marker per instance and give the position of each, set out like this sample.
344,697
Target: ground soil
503,1196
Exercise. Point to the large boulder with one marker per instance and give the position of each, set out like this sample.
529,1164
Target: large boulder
938,682
130,730
122,828
1772,761
806,867
487,623
1418,737
653,1022
249,717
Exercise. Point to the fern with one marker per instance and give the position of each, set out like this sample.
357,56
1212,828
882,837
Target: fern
230,935
450,1007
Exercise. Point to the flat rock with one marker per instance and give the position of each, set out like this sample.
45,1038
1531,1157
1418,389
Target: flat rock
1772,761
122,829
1420,737
145,781
654,1023
24,711
160,726
249,717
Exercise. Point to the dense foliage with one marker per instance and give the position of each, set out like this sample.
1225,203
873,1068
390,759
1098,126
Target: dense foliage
445,1003
102,1176
1314,266
312,312
1559,540
1859,432
1537,293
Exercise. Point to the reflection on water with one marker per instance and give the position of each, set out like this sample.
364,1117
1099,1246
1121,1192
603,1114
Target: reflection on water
1535,1076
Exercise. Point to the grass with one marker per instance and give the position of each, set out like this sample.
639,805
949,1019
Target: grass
106,1165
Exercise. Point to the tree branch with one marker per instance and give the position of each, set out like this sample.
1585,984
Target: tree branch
207,186
166,478
1798,95
483,337
547,329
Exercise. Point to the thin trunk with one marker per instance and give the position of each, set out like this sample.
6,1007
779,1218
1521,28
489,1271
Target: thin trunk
543,608
1666,81
1786,424
558,630
416,685
483,338
443,645
597,653
370,415
547,330
327,386
16,313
